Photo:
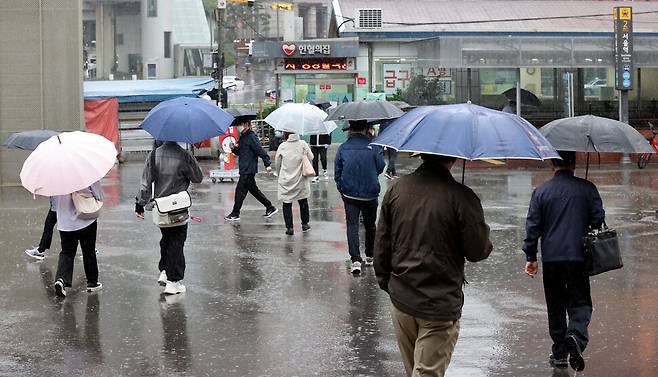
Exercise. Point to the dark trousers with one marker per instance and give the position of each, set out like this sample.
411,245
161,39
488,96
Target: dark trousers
47,235
392,158
87,239
247,184
172,258
353,210
567,291
303,212
319,155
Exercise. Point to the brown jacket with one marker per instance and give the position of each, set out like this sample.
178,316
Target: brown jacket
428,224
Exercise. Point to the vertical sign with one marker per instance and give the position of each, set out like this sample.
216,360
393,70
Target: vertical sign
623,18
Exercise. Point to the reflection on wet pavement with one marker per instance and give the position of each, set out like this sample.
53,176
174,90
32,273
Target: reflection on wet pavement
260,303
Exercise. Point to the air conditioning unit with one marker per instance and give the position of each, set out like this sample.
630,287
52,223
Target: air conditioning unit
369,18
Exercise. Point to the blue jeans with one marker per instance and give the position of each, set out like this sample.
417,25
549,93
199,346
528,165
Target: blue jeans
353,211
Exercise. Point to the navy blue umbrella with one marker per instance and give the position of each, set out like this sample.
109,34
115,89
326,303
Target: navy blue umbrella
28,140
186,120
466,131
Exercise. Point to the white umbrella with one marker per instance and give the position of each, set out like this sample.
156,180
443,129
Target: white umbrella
67,163
300,118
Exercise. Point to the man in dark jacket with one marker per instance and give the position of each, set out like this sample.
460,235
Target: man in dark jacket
173,172
561,212
428,225
356,170
248,151
319,145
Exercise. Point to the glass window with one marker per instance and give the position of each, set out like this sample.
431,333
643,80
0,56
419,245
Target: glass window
151,71
152,8
167,44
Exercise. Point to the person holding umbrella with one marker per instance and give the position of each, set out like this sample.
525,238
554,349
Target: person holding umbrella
356,169
169,170
248,150
293,185
68,167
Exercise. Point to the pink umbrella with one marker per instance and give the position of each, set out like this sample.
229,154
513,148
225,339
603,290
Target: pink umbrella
67,162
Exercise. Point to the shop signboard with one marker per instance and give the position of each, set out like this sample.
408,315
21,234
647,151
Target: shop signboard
623,18
318,48
397,77
327,64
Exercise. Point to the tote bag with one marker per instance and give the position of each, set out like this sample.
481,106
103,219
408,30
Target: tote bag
86,206
307,166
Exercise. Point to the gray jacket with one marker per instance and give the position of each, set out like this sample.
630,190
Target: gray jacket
175,169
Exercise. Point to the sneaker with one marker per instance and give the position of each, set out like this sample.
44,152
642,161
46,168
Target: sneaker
271,212
174,288
388,175
575,354
315,179
305,228
94,287
324,173
290,232
560,363
59,288
356,268
232,217
369,261
35,253
162,280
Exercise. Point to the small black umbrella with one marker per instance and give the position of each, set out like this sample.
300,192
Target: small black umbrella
365,110
402,105
242,114
28,140
527,98
590,133
322,104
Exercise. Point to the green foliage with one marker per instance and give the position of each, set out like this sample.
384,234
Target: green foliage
422,92
268,110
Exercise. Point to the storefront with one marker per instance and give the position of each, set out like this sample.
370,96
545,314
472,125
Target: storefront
314,70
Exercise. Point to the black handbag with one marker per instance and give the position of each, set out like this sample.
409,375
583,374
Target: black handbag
601,249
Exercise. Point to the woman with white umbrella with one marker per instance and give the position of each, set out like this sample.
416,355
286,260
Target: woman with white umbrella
294,185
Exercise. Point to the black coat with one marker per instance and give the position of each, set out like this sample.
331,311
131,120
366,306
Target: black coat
320,140
248,151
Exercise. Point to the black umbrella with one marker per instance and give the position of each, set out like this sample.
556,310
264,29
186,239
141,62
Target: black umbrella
242,114
402,105
365,110
527,98
590,133
322,104
28,140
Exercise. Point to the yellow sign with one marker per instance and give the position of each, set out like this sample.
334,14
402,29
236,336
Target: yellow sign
625,13
282,6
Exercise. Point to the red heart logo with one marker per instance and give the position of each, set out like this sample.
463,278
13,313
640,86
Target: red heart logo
288,49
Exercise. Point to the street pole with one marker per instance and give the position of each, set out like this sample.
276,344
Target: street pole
624,117
218,64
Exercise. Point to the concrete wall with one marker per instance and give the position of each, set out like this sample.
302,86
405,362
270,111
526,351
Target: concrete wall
40,72
130,27
153,29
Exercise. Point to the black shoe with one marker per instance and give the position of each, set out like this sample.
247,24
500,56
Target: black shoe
306,228
575,354
560,363
270,212
290,231
232,217
59,288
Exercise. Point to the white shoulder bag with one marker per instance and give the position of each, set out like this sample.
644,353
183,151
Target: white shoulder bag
86,206
172,210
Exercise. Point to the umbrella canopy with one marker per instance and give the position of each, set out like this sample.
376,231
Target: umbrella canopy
28,140
466,131
241,114
589,133
322,104
186,120
67,162
300,118
527,98
402,105
365,110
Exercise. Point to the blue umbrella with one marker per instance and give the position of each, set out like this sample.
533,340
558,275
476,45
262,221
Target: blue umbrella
186,120
466,131
28,140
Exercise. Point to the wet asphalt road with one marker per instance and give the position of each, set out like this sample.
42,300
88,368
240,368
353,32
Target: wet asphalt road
262,304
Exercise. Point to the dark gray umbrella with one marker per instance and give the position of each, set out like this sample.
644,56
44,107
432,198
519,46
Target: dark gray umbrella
527,98
402,105
322,104
365,110
28,140
241,114
590,133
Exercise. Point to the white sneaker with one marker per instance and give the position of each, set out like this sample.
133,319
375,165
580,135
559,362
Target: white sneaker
35,253
369,261
315,179
94,287
324,173
174,288
356,268
60,290
162,280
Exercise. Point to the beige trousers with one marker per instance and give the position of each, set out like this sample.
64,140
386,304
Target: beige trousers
426,346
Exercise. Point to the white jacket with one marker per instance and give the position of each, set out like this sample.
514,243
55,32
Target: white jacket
288,166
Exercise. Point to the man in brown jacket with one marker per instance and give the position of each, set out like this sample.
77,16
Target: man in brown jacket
428,225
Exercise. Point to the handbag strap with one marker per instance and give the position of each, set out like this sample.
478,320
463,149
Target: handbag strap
154,173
